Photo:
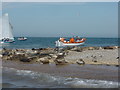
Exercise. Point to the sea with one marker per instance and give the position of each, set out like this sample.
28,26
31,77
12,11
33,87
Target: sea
17,78
28,78
45,42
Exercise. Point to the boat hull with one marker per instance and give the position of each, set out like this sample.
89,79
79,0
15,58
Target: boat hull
22,39
61,44
7,42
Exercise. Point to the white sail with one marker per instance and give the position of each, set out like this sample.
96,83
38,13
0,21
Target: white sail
6,27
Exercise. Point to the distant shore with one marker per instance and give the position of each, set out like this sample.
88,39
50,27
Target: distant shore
75,55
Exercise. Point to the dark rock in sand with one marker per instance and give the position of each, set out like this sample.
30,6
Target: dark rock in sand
5,53
117,58
60,61
60,55
97,48
94,59
33,49
77,49
80,62
25,59
109,47
43,55
45,61
107,65
39,49
117,65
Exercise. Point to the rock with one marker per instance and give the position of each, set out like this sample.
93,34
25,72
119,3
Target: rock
53,55
117,58
91,55
80,62
33,49
91,48
5,53
94,59
117,65
78,49
107,64
25,59
45,61
68,48
60,61
85,48
60,56
109,47
43,55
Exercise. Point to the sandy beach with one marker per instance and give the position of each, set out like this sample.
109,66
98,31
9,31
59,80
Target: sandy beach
105,57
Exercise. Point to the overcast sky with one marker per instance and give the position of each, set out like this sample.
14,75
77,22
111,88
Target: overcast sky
86,19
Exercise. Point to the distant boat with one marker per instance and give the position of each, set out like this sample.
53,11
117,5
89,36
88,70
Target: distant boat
6,35
72,42
22,38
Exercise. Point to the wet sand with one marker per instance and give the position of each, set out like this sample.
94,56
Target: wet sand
98,72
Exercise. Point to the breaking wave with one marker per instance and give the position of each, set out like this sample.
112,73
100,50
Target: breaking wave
29,79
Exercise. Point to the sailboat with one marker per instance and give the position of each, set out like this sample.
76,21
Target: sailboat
6,35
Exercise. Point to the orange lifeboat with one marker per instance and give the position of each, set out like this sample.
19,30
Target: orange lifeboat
71,42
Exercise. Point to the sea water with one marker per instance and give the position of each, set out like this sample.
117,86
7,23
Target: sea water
44,42
14,78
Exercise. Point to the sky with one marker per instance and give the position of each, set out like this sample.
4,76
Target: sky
85,19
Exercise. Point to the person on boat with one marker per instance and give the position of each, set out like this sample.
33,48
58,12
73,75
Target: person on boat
62,39
72,40
78,39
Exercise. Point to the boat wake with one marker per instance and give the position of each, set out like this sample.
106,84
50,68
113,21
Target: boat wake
29,79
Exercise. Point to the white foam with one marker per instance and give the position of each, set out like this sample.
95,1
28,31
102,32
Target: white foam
81,83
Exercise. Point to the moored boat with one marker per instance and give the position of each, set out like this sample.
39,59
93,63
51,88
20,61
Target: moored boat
72,42
22,38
